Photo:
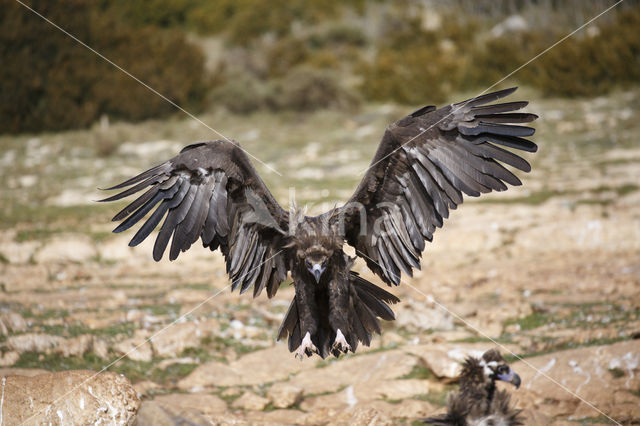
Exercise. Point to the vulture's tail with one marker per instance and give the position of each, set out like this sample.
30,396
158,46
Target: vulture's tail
368,303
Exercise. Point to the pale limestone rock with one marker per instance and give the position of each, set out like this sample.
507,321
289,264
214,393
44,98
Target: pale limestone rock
277,417
100,348
135,348
27,372
284,394
17,253
12,322
264,366
419,316
251,401
9,358
175,339
583,371
364,416
196,403
359,369
34,342
394,389
75,346
81,397
67,248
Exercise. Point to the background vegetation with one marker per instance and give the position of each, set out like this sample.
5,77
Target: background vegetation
250,55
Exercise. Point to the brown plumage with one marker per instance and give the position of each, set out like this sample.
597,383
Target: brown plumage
479,402
424,163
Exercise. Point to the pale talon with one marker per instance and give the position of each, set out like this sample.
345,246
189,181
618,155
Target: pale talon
306,347
341,343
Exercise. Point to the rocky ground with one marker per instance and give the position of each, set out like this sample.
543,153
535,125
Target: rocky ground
550,272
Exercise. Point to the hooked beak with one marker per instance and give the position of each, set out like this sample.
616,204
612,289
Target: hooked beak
510,377
317,271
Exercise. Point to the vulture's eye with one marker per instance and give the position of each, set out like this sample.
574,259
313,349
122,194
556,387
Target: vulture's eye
324,263
503,369
308,264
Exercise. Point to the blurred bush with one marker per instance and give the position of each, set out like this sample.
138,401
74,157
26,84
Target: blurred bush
295,54
592,64
49,82
308,89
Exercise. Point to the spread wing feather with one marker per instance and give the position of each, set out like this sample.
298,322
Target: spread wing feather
425,162
212,192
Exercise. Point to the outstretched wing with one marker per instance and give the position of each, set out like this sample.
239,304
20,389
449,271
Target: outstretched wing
424,164
212,192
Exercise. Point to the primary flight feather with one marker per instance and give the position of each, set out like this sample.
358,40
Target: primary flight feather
423,165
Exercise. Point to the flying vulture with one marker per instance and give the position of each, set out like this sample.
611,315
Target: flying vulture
478,402
423,165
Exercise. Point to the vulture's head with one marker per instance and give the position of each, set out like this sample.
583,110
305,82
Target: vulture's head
495,368
316,243
486,370
316,259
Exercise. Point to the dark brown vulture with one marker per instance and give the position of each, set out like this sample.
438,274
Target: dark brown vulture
423,165
478,402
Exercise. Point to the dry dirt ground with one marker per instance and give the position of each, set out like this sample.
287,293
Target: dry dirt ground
549,271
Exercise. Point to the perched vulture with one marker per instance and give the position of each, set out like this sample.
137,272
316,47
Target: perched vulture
478,402
423,165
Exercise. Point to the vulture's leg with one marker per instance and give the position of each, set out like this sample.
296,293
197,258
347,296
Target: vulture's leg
339,313
308,314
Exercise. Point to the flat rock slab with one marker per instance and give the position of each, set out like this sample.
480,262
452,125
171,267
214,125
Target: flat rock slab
68,397
367,368
265,366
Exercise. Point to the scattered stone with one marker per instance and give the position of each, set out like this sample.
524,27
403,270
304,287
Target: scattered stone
419,316
100,348
12,322
175,339
18,253
9,358
76,346
251,401
34,342
135,348
79,397
67,248
284,395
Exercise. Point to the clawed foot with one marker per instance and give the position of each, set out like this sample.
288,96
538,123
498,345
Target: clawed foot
340,343
306,347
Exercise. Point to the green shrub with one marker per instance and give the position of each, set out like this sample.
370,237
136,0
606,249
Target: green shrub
49,82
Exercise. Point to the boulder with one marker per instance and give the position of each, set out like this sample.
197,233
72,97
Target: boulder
284,395
251,401
79,397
